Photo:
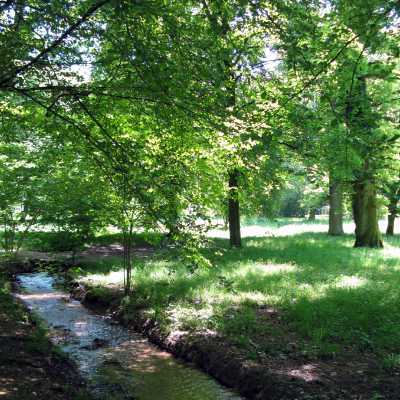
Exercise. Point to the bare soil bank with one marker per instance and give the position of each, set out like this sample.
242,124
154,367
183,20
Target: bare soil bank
30,366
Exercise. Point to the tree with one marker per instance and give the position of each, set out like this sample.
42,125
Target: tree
347,82
77,201
390,188
393,195
27,60
20,197
335,207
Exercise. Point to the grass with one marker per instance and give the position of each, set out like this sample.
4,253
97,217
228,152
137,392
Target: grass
321,292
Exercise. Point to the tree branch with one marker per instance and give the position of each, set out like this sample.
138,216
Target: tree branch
91,10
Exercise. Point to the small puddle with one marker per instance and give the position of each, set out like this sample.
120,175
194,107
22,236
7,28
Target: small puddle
118,363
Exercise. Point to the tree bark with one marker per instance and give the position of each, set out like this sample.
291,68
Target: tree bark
234,210
390,226
220,23
365,212
127,261
392,193
365,209
312,214
392,215
335,208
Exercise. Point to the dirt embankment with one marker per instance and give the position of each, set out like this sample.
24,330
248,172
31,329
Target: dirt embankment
212,354
30,366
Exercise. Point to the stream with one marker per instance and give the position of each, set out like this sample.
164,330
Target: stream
117,362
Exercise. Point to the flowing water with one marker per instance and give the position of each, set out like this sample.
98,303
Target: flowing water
118,363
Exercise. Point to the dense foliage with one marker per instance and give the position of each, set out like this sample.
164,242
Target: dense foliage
164,114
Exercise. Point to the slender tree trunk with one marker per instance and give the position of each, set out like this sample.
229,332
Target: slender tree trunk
220,23
335,208
125,249
74,254
234,210
365,212
390,226
127,262
312,214
392,216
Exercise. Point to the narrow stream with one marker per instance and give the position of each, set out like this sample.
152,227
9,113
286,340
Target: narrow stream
118,363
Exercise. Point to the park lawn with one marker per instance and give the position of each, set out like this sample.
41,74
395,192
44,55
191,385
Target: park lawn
308,291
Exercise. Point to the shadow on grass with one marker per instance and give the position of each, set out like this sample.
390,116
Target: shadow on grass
330,291
327,291
60,241
139,239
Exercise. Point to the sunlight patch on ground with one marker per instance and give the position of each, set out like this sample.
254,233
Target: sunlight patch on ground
270,269
253,297
270,231
306,373
391,251
311,291
113,278
189,318
350,282
295,228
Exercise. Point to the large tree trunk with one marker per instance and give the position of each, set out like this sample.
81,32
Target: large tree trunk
365,210
234,210
365,214
335,208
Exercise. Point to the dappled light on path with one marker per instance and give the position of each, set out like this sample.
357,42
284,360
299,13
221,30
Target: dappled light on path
307,372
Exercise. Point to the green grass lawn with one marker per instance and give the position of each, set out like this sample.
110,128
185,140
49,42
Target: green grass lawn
324,293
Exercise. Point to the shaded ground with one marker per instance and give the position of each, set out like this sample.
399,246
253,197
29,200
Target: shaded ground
30,367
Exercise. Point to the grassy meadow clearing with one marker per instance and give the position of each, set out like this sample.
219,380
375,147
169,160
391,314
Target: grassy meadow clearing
298,285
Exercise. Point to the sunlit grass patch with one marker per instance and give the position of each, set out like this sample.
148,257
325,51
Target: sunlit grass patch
325,291
270,269
350,282
111,278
